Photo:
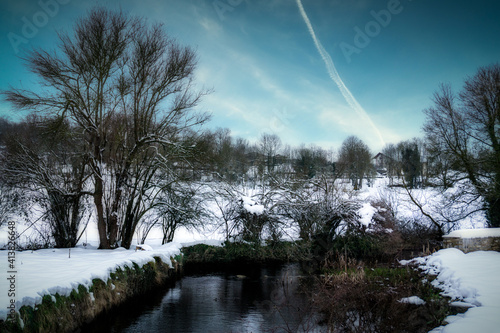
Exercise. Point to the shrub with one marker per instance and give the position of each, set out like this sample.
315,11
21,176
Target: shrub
419,238
368,300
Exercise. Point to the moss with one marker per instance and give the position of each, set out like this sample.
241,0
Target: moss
47,301
97,286
177,258
11,326
67,313
245,252
79,294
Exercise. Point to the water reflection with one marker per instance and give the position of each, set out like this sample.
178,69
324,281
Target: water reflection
263,300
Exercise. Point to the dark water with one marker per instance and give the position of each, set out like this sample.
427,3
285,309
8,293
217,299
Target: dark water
244,300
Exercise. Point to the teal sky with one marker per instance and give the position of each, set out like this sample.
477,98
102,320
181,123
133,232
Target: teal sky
267,72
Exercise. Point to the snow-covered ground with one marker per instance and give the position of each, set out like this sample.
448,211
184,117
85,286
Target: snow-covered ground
431,199
51,271
472,281
475,233
442,205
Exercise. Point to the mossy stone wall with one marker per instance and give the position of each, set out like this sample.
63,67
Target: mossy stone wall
58,313
473,244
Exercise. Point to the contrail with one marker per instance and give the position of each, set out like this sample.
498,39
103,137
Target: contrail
332,71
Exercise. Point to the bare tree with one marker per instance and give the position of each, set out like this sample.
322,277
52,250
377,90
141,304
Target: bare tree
319,207
391,162
11,198
465,130
440,163
355,160
240,215
311,161
128,86
179,205
411,165
38,160
270,145
229,155
226,199
11,201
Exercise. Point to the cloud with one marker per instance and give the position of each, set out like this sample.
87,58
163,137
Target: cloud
332,71
210,26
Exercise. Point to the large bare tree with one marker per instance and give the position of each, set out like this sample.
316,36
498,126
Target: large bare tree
464,130
129,88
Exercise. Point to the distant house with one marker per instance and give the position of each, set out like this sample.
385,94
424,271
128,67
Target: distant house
380,161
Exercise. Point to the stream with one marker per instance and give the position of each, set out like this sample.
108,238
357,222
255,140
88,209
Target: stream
249,299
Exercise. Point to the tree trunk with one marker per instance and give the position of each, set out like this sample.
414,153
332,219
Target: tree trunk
101,223
493,203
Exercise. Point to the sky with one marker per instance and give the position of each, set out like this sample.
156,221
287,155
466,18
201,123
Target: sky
311,71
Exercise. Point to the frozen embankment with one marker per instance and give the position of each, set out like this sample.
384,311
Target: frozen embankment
471,280
68,277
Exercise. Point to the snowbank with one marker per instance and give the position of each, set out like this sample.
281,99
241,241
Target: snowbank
471,280
51,271
475,233
211,242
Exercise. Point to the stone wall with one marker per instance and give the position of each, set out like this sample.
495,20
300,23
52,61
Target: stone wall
60,314
473,244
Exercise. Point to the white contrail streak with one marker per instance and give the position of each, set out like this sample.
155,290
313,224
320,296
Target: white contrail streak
332,71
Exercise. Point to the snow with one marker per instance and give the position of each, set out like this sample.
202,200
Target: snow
366,213
144,247
472,281
475,233
441,205
412,300
211,242
251,206
51,271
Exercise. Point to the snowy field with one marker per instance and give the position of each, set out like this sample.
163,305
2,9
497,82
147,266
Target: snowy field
472,280
430,199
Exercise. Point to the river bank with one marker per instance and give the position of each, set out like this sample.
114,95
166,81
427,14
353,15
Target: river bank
58,290
61,290
252,298
345,293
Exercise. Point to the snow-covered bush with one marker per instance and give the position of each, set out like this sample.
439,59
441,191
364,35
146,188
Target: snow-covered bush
318,207
178,206
251,218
